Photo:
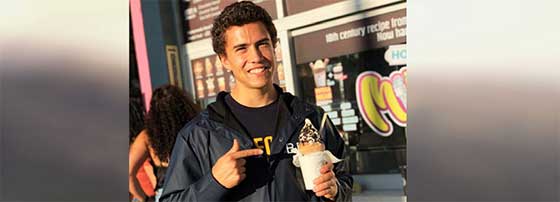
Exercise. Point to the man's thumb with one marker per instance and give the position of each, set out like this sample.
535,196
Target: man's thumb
234,147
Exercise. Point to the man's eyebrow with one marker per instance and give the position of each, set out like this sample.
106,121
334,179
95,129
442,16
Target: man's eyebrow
240,46
263,40
245,45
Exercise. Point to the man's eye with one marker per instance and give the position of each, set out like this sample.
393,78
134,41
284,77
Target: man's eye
240,49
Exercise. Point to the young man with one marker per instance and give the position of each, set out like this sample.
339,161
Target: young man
241,146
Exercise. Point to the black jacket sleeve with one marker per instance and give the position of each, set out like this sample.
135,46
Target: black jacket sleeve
335,144
186,178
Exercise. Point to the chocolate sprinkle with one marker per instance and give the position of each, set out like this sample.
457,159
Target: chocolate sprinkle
308,133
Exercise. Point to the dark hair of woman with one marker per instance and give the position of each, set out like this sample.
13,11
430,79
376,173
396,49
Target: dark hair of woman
170,109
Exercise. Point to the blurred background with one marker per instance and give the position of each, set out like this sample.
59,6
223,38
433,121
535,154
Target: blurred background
63,100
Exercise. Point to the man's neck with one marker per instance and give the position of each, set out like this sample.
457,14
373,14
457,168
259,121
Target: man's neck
251,97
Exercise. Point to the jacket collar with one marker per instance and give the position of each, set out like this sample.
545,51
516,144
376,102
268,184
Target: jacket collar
220,112
298,109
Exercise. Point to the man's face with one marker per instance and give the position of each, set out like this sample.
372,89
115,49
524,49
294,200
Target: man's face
249,55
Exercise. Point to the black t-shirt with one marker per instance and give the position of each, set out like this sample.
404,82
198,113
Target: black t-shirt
261,123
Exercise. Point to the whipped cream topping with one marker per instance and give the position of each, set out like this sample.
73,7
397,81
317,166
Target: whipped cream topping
309,134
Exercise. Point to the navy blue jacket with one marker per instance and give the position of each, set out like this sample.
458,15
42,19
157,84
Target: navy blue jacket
268,178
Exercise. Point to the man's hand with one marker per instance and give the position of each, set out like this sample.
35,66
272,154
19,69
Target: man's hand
325,185
229,170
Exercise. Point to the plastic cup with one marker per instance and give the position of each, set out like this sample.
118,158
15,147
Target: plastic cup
311,167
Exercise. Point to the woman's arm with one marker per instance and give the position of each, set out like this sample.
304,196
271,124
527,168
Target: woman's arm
138,153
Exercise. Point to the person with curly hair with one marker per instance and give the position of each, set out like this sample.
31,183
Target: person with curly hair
170,110
241,147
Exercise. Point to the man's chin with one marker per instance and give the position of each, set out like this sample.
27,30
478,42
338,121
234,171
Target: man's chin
260,85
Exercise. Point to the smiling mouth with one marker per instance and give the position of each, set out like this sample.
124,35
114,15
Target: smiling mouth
258,70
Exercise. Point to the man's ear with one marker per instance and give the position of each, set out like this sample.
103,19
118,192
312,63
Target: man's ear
224,61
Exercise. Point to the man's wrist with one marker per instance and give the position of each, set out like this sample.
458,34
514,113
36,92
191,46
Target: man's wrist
217,181
337,186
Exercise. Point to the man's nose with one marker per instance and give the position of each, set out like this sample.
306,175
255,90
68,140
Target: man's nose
255,55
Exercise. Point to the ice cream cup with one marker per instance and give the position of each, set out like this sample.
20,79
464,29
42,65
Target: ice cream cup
311,167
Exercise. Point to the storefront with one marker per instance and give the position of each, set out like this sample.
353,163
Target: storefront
355,69
349,57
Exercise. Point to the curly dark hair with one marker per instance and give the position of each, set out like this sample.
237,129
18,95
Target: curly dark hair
170,109
238,14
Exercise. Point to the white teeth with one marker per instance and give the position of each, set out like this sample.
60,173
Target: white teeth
256,71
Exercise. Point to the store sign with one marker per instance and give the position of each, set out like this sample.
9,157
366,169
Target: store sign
396,55
382,98
323,95
199,15
361,35
298,6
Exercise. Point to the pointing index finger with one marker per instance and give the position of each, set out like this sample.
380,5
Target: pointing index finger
246,153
